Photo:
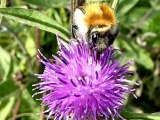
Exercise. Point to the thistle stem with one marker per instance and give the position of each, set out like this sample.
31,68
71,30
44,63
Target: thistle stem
114,4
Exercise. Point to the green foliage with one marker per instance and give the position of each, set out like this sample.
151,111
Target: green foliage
139,54
125,6
5,62
48,3
6,107
2,4
35,19
144,116
28,25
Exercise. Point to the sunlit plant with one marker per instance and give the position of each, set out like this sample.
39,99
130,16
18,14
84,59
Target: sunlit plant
82,84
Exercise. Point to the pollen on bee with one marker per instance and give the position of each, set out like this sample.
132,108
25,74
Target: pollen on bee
99,14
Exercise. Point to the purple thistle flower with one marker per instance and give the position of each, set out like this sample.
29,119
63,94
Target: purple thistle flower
82,85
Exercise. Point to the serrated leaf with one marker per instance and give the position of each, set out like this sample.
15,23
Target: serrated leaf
35,19
5,64
125,6
48,3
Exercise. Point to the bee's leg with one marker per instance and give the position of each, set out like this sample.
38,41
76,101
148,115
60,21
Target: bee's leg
74,29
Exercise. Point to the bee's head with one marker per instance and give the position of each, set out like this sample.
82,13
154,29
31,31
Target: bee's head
99,37
103,36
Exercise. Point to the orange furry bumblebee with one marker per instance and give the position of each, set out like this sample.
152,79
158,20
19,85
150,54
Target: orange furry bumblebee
97,22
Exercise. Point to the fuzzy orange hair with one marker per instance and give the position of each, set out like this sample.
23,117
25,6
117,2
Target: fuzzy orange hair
99,14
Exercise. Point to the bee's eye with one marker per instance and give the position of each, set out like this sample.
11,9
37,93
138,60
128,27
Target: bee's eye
110,36
95,36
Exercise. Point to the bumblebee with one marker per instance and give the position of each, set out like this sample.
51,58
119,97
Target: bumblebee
96,22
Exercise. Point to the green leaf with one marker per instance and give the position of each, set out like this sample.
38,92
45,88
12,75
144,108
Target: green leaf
35,19
48,3
153,23
137,53
142,116
7,88
131,19
6,107
5,64
30,46
125,6
97,1
153,42
3,4
28,104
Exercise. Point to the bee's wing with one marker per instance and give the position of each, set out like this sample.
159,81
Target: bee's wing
80,2
75,4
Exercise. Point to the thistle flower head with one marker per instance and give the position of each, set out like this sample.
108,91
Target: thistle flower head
82,85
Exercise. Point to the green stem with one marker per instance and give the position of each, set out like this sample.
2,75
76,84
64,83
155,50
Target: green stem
2,4
114,4
144,116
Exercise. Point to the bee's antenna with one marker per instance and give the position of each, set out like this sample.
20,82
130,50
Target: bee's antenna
114,4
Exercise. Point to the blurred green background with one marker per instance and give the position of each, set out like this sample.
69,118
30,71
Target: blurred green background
139,39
